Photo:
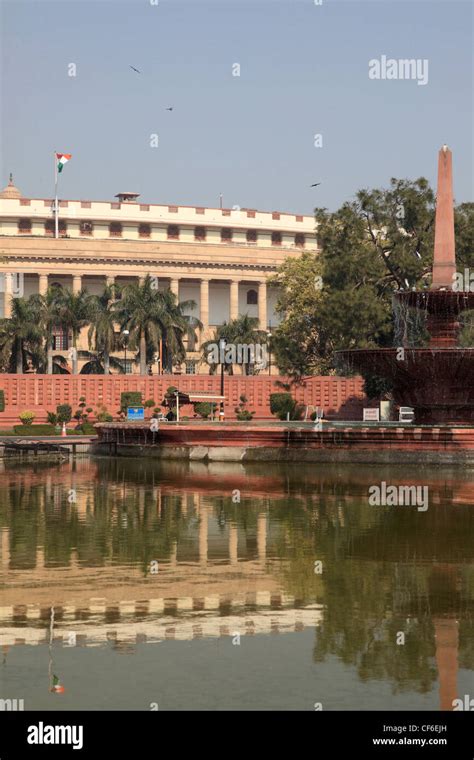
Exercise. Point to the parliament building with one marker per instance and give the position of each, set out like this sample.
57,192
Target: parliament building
221,258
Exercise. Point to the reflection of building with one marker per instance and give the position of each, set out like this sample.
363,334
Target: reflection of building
219,258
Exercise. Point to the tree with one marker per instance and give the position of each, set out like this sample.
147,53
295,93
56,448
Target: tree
342,297
152,316
74,314
20,336
49,319
101,333
243,331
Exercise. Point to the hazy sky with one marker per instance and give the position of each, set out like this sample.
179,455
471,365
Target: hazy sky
303,71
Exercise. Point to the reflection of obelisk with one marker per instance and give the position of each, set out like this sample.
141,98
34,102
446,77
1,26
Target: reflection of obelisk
444,258
446,638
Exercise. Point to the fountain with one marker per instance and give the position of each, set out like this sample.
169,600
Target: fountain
437,381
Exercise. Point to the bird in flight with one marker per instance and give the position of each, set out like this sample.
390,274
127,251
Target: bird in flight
169,109
315,184
133,67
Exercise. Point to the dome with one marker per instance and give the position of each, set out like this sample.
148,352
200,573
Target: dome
10,191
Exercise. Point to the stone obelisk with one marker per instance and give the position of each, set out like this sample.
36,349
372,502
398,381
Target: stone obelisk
444,259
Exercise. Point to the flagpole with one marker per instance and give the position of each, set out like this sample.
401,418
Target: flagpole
56,204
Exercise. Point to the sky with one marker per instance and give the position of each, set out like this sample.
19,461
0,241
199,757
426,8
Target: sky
304,71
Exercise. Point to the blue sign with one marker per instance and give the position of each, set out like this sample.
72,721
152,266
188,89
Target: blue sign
135,413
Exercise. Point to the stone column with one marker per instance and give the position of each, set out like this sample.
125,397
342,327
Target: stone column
76,283
174,286
444,257
8,295
204,309
43,284
233,543
262,304
234,299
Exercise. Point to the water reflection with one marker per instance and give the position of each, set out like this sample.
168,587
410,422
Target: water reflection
117,553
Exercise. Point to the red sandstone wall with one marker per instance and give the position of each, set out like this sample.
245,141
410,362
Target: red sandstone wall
339,397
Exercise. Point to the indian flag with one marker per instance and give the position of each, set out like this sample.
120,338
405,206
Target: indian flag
62,158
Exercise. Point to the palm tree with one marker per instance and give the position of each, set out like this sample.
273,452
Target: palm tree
102,329
241,331
176,325
48,308
150,316
20,335
74,314
96,362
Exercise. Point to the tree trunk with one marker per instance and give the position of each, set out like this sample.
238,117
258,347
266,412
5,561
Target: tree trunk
142,353
49,351
74,354
19,356
106,363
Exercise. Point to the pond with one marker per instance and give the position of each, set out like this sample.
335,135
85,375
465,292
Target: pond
133,584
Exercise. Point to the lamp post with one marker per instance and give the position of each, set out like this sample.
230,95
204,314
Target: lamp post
269,336
125,334
222,345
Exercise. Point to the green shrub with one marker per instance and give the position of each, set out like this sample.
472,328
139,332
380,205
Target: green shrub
2,401
243,414
52,418
88,429
203,408
27,417
104,416
148,404
130,398
34,430
282,404
64,413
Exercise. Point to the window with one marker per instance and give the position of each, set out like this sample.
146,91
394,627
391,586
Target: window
190,367
252,297
49,228
226,212
251,236
173,232
115,205
24,226
85,204
200,233
275,214
172,209
144,207
115,229
144,230
25,202
226,235
127,366
299,240
86,228
199,210
251,213
60,338
276,238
